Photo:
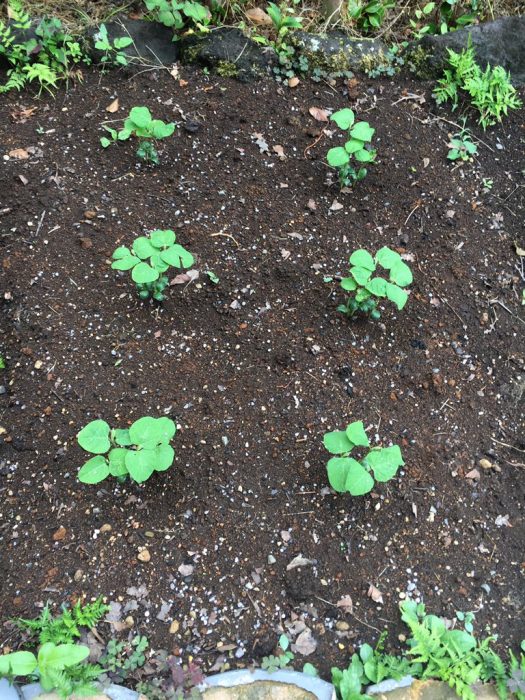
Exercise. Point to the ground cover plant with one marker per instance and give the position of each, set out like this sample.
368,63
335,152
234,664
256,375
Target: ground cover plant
111,49
148,131
461,146
162,252
244,539
366,289
136,452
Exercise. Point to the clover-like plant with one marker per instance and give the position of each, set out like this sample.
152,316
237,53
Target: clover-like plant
138,451
366,288
348,475
140,123
357,147
161,252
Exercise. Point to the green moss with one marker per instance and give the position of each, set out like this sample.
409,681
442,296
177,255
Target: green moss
418,64
227,69
192,52
371,61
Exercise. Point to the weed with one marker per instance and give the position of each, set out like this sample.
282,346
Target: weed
2,361
490,91
162,252
366,289
175,14
282,19
123,658
444,16
387,64
57,667
461,147
140,123
112,54
64,628
369,15
180,683
137,451
488,184
360,135
282,660
44,59
347,475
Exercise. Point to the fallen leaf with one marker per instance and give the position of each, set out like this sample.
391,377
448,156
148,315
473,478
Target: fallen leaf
336,206
519,251
22,115
320,115
473,474
280,151
18,154
113,106
183,83
311,205
375,594
59,534
258,16
305,643
346,604
185,277
299,560
293,82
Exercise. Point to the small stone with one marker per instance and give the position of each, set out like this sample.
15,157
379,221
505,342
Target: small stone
271,559
78,575
85,243
59,534
293,82
148,533
129,621
342,626
106,528
485,464
174,627
90,214
402,637
38,364
144,555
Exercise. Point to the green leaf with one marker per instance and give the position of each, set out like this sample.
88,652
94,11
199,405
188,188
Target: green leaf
177,256
140,116
58,657
164,456
362,294
361,275
310,670
117,461
158,263
95,437
140,464
358,480
121,252
337,157
397,295
401,274
337,469
19,663
121,42
167,428
162,238
362,131
353,146
385,462
121,437
125,263
147,432
160,130
364,156
366,653
362,258
105,142
144,274
387,258
344,118
125,133
94,470
337,442
143,248
349,284
355,432
377,286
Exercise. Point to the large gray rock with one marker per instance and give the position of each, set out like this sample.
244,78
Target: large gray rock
263,685
227,52
152,42
500,43
336,52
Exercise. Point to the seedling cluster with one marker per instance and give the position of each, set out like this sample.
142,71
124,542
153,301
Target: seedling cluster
148,131
357,148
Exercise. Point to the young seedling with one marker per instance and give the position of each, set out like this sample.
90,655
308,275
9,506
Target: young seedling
348,475
112,54
461,147
282,21
366,289
357,147
162,252
137,451
140,123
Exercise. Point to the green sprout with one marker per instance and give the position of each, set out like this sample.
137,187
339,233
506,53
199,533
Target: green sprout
140,123
360,135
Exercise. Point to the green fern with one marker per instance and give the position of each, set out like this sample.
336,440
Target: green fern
64,628
493,669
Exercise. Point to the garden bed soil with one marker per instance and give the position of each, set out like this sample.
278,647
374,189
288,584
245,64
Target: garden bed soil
255,369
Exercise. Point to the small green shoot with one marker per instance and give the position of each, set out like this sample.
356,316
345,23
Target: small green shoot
348,475
112,54
369,15
136,452
366,289
162,252
281,18
357,147
461,147
140,124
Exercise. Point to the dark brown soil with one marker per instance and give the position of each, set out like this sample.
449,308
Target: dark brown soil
258,367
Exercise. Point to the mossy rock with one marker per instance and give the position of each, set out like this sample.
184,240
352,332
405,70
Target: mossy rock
336,52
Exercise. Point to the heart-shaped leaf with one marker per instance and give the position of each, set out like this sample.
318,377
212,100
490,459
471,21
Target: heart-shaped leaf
162,238
337,157
397,295
385,462
364,156
146,432
117,461
401,274
143,248
140,116
160,130
144,273
121,437
362,131
167,428
353,145
348,284
337,469
121,252
94,470
337,442
344,118
377,286
125,263
140,464
362,258
387,258
355,432
358,480
164,456
95,437
177,256
360,274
